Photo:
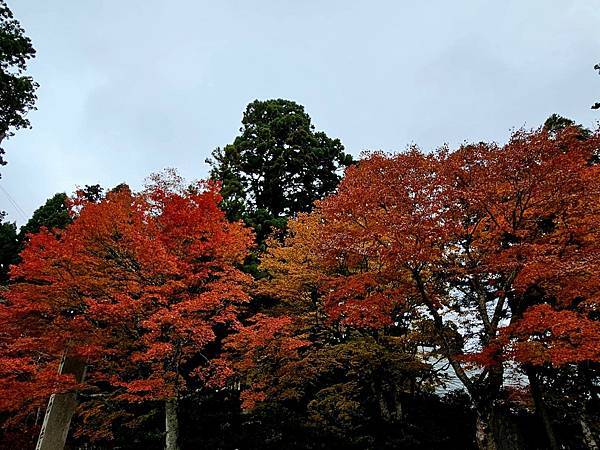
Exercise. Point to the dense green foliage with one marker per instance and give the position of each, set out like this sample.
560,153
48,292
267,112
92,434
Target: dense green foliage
17,90
17,97
52,214
278,166
9,247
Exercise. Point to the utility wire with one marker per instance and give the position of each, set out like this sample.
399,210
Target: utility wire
15,205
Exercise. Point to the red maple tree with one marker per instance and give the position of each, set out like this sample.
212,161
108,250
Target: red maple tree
138,286
461,242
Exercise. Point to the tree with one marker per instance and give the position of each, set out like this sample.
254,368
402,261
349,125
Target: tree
52,214
93,193
9,246
17,90
456,235
386,223
554,331
556,123
277,167
345,370
531,201
140,286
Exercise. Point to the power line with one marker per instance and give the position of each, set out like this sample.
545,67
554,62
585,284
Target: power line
14,203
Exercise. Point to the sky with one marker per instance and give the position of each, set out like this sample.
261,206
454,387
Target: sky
129,87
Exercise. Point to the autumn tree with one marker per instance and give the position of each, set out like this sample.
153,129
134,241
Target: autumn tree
343,369
17,90
278,166
457,240
139,285
553,248
52,214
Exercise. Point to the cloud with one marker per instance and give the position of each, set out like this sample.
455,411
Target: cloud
128,88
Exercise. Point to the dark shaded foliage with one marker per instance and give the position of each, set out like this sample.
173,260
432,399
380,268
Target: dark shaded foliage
17,90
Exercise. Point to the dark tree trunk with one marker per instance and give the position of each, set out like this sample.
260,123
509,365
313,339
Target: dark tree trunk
390,404
484,431
540,406
494,430
588,435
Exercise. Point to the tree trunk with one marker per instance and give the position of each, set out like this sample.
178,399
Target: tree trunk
484,431
390,406
540,407
496,431
171,425
61,407
588,435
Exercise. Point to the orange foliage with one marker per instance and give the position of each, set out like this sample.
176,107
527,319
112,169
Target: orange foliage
484,232
137,285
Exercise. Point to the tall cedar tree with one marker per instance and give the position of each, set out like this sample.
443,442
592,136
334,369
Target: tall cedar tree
17,90
278,166
470,233
139,285
52,214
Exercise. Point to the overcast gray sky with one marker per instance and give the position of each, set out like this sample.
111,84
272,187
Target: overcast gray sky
128,87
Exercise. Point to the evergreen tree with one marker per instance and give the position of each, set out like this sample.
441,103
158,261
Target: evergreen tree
17,90
9,246
278,166
52,214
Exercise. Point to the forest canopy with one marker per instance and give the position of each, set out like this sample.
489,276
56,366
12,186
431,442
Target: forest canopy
476,267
